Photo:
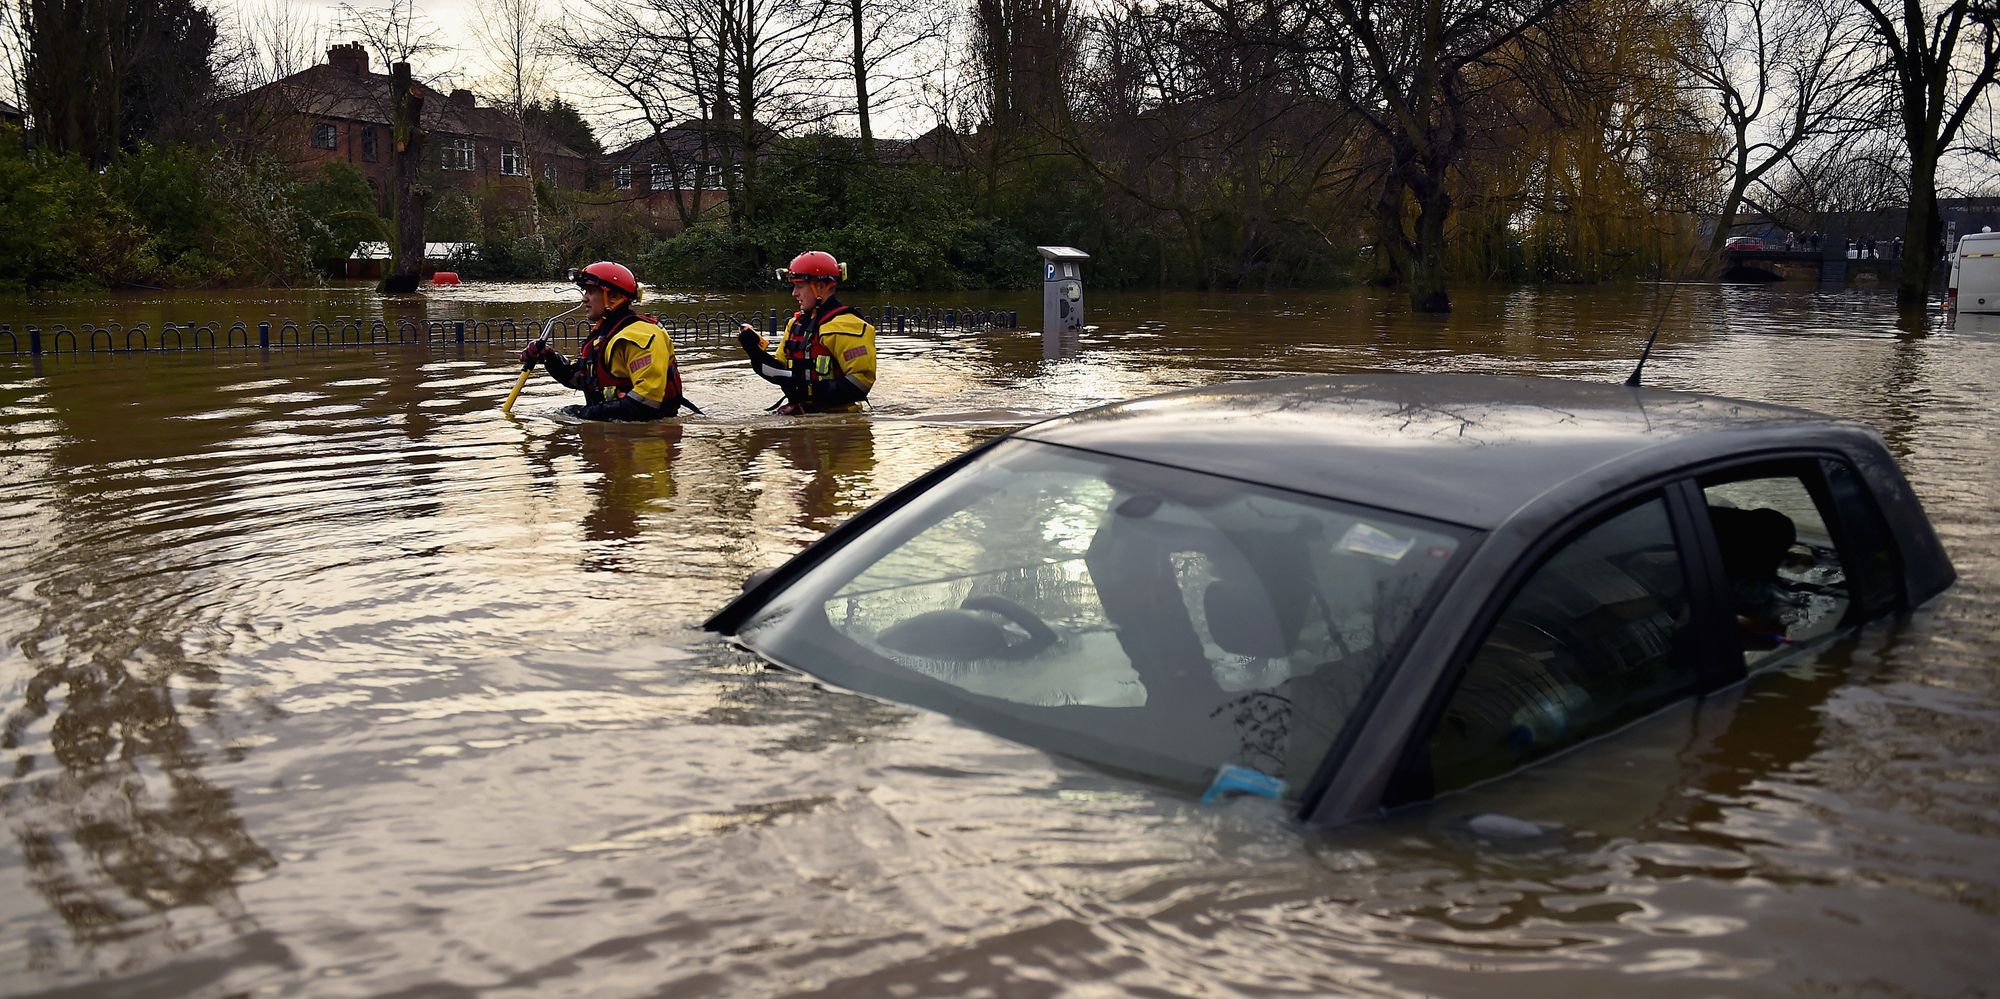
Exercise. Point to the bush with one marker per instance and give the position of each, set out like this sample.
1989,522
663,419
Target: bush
171,216
900,226
60,225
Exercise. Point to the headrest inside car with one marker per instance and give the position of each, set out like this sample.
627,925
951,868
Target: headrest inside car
1753,542
1242,620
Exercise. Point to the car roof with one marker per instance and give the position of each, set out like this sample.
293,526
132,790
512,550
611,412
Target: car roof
1469,449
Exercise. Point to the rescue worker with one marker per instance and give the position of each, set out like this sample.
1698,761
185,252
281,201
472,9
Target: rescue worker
826,362
626,368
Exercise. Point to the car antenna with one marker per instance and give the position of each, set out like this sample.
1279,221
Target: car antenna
1632,381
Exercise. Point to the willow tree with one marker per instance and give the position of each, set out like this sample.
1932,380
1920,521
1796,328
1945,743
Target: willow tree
1615,148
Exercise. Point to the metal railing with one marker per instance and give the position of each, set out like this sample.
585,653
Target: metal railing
686,328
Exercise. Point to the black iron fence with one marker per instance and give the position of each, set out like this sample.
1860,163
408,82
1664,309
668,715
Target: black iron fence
687,328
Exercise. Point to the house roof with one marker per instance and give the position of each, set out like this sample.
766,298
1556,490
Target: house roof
682,141
331,92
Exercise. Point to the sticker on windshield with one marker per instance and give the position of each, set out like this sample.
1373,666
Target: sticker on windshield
1374,541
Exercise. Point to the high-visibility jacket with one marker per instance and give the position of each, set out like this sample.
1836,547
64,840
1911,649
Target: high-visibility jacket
834,344
629,355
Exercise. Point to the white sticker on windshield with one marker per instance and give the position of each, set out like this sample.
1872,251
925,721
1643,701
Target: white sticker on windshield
1374,541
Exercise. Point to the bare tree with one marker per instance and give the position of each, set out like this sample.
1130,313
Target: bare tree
512,36
1201,112
398,35
13,46
393,31
1945,64
1410,69
276,39
882,35
1782,73
712,82
1027,50
940,69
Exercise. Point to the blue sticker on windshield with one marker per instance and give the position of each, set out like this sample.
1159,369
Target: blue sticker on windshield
1232,780
1368,540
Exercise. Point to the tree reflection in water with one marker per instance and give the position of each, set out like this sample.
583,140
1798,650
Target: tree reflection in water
125,827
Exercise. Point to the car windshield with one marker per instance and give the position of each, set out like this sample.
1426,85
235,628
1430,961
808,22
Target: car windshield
1146,618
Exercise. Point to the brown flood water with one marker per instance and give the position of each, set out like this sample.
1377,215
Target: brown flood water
320,677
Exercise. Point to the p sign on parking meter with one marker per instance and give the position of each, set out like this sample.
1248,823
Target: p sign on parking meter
1062,288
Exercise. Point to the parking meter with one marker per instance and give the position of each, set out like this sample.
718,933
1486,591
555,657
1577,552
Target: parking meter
1062,288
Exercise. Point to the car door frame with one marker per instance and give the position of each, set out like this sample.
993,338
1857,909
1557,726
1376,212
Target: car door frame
1719,662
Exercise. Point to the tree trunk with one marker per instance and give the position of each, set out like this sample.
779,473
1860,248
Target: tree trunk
861,82
1392,246
1731,204
1427,278
407,198
1923,231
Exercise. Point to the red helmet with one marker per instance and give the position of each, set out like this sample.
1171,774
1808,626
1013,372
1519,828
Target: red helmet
605,274
813,265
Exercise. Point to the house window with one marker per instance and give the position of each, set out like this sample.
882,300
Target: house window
458,154
512,163
621,178
549,175
663,177
325,136
368,149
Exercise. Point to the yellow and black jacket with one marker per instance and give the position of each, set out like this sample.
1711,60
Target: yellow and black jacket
626,370
826,361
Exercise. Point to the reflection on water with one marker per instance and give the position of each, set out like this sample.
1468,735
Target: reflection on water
321,677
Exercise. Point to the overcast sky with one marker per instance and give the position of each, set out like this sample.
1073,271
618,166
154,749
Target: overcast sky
456,22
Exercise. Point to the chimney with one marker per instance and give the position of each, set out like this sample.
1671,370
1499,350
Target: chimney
349,58
461,99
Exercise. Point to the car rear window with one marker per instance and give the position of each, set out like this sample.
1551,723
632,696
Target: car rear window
1149,618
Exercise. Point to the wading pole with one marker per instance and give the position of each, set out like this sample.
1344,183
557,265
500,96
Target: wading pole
507,408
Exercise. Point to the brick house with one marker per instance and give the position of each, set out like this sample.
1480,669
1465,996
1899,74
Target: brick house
681,169
339,110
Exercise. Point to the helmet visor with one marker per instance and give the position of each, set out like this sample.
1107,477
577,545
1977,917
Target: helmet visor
793,277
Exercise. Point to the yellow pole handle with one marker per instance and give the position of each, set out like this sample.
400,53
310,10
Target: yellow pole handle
507,408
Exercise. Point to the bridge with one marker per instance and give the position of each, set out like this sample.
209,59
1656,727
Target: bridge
1807,265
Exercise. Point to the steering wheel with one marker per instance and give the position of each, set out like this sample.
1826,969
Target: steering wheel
960,634
1040,635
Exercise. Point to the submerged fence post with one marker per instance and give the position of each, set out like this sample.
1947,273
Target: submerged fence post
772,323
263,336
458,332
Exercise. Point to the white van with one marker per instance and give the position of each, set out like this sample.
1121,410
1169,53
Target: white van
1975,274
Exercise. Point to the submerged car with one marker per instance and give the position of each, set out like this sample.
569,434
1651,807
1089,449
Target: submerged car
1354,592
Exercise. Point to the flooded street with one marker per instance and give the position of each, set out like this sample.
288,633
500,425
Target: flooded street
322,677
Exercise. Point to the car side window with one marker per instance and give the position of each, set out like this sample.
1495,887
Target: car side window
1596,637
1787,582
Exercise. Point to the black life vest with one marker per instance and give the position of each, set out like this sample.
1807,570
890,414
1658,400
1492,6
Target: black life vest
804,349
